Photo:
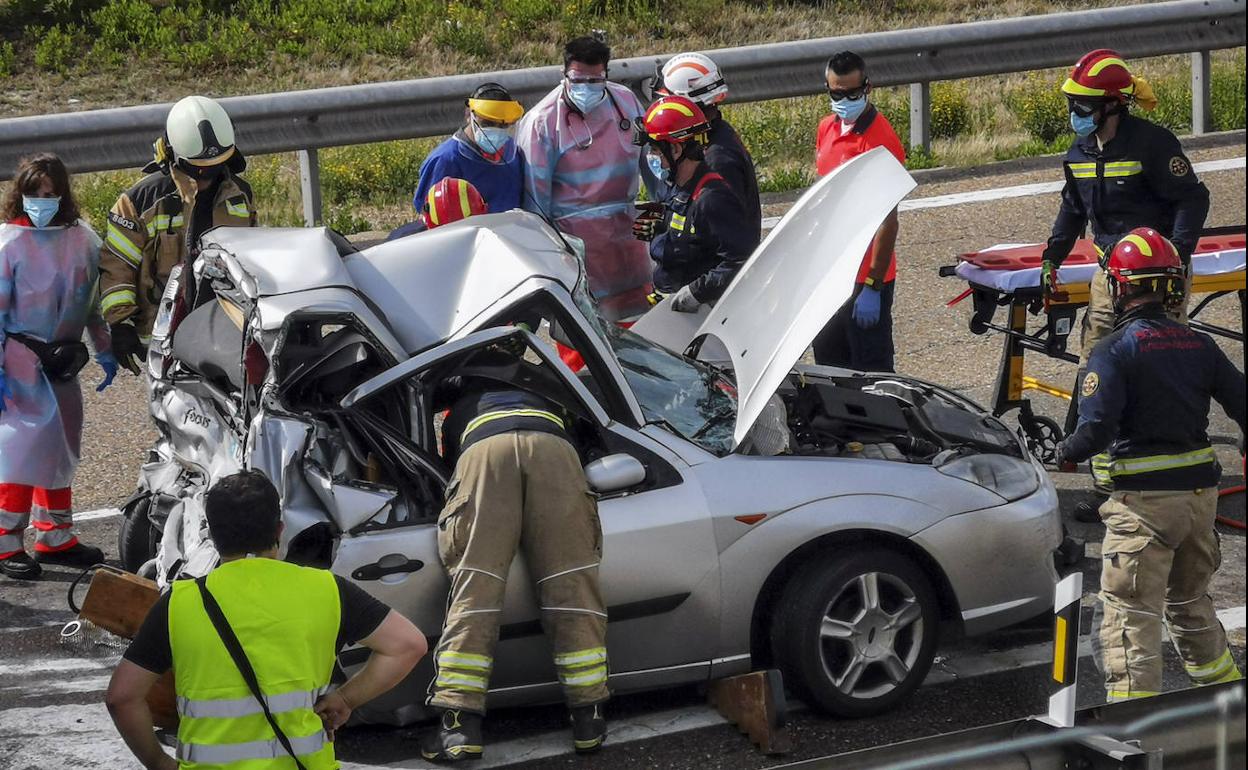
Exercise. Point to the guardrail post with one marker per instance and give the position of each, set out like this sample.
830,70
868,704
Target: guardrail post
310,186
1202,75
921,116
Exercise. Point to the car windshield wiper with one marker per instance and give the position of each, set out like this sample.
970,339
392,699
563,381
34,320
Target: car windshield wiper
720,415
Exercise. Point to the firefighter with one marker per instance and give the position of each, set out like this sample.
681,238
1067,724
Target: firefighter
192,184
450,200
1145,398
518,484
1122,172
697,77
704,234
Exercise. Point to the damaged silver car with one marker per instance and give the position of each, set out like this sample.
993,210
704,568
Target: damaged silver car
756,511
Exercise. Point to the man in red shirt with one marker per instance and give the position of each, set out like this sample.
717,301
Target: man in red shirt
860,335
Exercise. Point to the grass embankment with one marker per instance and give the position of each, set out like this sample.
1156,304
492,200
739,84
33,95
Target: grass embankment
74,54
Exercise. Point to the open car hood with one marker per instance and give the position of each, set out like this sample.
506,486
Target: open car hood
793,283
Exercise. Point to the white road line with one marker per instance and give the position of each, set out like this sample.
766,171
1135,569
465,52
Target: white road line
1020,191
102,513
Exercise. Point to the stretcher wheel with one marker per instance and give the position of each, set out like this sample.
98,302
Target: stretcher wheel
1043,436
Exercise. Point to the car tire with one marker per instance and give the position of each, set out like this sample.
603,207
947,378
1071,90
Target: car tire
137,539
845,652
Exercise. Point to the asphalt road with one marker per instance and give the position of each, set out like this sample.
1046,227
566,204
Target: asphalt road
50,710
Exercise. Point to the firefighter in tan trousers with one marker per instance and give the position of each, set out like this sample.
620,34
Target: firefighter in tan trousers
192,185
518,484
1145,398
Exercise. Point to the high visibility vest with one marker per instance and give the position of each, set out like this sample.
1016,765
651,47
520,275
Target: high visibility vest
286,618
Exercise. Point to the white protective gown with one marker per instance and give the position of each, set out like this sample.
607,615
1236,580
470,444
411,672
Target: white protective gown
583,171
49,289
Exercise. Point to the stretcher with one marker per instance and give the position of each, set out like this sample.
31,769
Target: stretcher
1008,276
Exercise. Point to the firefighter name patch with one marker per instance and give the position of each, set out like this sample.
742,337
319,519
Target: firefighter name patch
1091,382
1179,166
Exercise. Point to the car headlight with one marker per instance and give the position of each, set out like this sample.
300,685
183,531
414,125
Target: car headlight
1008,477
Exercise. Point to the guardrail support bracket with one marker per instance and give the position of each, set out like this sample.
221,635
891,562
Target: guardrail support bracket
310,186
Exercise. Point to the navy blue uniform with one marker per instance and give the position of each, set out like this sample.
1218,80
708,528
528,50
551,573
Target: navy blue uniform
1140,179
726,155
1146,398
709,236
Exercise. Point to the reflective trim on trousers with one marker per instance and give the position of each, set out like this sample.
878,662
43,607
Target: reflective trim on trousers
237,210
1114,696
580,658
477,422
453,680
567,572
1127,466
224,753
1215,671
464,661
55,529
12,525
233,708
584,678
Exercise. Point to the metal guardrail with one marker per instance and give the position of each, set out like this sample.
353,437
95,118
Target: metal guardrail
303,121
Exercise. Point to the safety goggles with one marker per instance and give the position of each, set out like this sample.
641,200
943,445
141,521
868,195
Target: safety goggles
577,79
849,93
1084,108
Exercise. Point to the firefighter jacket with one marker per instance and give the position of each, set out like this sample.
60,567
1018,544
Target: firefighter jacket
726,155
1146,398
709,236
1141,178
149,230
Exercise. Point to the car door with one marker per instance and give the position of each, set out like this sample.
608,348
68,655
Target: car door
659,574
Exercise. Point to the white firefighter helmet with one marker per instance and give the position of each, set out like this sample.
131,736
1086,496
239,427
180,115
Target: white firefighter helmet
199,131
696,77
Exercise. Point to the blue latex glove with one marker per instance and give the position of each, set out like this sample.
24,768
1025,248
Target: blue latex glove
108,363
867,308
5,393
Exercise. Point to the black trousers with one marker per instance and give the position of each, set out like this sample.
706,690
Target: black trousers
843,343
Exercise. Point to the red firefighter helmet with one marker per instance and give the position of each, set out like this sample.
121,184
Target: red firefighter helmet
1145,261
675,120
1100,74
451,200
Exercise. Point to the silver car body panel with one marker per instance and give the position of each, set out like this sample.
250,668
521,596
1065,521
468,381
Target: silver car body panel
279,260
472,263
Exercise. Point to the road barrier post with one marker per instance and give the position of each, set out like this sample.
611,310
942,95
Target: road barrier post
921,116
310,186
1066,596
1202,107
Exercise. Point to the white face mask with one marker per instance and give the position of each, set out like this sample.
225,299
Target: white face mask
586,96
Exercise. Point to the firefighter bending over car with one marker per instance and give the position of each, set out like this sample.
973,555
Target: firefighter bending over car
518,484
1145,397
702,234
192,185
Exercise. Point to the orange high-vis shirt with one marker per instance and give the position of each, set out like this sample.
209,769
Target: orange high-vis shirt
836,143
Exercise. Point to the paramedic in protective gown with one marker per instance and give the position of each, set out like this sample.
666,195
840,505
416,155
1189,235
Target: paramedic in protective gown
49,294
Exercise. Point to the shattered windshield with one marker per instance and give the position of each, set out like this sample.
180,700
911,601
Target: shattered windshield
688,397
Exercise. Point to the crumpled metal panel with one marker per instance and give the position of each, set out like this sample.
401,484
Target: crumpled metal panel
276,446
431,286
281,259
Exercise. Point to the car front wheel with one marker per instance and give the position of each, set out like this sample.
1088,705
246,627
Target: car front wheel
855,635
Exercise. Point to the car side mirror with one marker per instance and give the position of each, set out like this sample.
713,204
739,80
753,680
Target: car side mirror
614,473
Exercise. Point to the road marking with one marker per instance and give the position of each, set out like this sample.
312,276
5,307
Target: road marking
102,513
1018,191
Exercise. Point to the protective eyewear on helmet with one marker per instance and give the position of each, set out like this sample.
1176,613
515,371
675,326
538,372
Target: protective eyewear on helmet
496,111
849,93
1084,108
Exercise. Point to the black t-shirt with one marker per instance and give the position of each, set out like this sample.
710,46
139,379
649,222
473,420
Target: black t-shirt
151,649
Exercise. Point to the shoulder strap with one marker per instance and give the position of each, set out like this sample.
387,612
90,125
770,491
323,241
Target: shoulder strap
709,177
235,648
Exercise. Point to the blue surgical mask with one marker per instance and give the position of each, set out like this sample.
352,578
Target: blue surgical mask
586,96
492,138
848,110
656,166
1083,125
41,210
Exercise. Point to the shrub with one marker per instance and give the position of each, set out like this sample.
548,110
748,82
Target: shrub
1174,105
1040,108
386,172
951,110
1227,96
8,59
57,49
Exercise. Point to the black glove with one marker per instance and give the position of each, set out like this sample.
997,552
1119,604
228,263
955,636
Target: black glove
648,225
127,348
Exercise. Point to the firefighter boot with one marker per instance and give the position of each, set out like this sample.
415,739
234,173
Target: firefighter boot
589,728
458,737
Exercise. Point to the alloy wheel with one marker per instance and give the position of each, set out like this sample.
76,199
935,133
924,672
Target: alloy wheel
871,635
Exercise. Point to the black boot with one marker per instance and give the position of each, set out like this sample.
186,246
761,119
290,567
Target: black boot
77,555
20,566
589,728
458,737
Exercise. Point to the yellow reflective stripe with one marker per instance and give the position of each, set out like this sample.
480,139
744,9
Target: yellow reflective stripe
1230,676
1124,168
586,678
118,297
678,222
1114,695
163,222
237,210
431,205
1139,243
581,658
465,207
464,660
1101,467
1082,166
1074,89
461,682
1059,650
123,246
491,416
1131,465
1212,671
1101,64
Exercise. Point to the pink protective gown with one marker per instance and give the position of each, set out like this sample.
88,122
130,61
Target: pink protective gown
583,171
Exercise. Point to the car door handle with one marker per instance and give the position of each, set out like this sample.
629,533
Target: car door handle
390,564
